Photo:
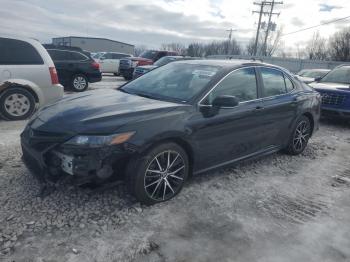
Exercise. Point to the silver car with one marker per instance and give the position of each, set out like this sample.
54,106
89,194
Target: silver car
28,78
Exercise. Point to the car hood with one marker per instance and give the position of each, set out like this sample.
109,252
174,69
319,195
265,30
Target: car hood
99,111
330,86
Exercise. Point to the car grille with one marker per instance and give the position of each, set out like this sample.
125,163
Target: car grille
333,99
125,64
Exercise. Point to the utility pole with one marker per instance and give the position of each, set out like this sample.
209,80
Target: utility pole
273,3
229,39
261,12
259,23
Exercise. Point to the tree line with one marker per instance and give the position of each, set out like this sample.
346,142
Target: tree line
336,47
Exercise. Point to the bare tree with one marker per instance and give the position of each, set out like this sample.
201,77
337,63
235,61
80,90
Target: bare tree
174,47
339,45
250,47
316,48
196,50
274,42
139,49
214,48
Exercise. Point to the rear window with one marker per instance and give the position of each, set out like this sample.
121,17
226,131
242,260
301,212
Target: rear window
17,52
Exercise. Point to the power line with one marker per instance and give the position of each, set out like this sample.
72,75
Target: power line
307,28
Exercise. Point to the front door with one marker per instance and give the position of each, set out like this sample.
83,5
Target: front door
230,133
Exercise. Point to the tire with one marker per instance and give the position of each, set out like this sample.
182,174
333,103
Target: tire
151,187
79,83
16,104
300,136
128,77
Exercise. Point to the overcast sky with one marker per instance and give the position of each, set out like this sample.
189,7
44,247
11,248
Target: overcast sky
152,22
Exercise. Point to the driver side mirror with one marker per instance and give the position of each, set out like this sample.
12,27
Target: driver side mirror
225,101
318,79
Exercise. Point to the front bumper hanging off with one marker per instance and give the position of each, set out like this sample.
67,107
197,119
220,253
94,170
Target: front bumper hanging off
82,164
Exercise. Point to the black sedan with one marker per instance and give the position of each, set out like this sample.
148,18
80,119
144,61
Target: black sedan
183,118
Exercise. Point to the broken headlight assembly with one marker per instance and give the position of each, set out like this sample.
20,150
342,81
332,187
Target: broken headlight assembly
99,141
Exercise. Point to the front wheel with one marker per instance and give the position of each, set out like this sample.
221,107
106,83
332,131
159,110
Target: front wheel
300,136
16,104
159,174
79,83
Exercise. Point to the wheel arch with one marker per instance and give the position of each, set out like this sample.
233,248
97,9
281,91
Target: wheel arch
177,139
27,85
311,119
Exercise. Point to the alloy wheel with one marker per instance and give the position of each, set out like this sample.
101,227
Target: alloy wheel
164,175
301,136
79,83
17,105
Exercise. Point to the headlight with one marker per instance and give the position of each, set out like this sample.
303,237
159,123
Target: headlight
135,63
98,141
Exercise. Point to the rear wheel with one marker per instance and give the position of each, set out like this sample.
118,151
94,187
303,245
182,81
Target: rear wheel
300,136
16,104
159,174
79,83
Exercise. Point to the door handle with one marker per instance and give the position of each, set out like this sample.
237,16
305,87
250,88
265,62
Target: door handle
258,108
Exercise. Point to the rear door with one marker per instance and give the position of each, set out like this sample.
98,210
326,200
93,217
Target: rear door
279,105
108,63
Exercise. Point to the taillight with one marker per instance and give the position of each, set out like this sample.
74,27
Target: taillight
95,65
54,76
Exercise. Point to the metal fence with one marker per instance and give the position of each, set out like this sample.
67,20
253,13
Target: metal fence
292,64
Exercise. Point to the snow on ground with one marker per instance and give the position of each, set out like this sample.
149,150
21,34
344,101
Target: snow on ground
277,208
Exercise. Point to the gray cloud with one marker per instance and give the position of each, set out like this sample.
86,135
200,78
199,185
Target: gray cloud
328,8
137,24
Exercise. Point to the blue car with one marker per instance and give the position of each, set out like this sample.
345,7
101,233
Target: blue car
335,91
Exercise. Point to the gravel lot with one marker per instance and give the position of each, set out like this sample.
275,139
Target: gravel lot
277,208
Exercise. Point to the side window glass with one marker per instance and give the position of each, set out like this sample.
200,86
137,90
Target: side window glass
16,52
75,56
289,84
273,81
240,83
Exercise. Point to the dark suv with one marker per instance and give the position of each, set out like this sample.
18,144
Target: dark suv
75,67
127,66
335,91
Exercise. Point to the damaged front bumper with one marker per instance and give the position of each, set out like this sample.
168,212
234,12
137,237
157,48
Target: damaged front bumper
50,161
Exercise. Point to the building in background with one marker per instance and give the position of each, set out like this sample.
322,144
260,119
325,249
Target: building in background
93,44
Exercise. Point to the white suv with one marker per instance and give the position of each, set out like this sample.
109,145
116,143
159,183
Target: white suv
28,78
109,61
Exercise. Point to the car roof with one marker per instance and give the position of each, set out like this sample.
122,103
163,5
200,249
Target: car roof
316,69
228,63
25,39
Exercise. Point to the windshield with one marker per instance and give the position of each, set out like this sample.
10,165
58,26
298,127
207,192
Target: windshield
175,82
338,75
164,61
149,54
314,74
